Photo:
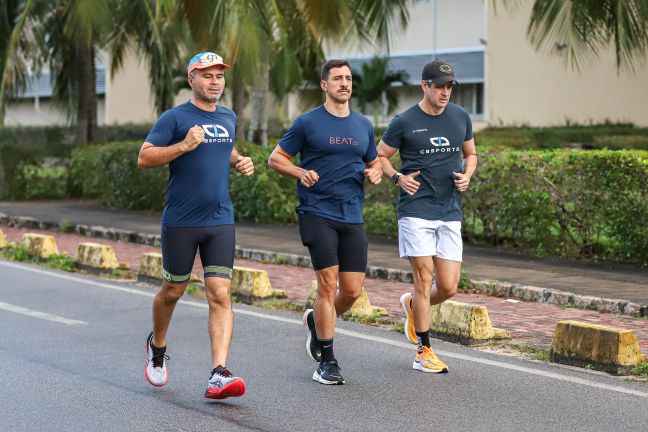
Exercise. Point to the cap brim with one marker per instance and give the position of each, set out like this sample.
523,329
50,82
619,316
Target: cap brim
194,67
444,80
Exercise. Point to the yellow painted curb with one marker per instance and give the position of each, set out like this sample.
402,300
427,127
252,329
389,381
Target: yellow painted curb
465,323
249,282
604,348
96,256
362,307
3,241
312,294
150,266
39,245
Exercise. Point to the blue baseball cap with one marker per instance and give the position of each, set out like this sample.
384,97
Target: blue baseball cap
205,59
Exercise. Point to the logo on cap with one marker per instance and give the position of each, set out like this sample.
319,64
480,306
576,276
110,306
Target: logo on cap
445,68
205,59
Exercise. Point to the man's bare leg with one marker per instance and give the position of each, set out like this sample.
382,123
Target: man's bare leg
221,318
163,305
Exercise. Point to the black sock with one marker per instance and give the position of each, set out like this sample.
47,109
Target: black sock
326,346
423,339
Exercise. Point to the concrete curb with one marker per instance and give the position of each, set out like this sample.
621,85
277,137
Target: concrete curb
490,288
609,349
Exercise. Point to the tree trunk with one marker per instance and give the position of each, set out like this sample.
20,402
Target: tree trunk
258,132
239,102
86,119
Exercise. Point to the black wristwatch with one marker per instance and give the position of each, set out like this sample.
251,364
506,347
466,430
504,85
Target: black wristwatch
394,178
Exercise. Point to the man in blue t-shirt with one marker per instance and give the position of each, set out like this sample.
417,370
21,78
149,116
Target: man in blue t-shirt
437,151
196,140
338,152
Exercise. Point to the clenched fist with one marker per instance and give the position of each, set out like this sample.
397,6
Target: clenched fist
244,165
194,137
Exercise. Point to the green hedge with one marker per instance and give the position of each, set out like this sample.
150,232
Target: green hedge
43,148
568,202
109,172
573,203
602,136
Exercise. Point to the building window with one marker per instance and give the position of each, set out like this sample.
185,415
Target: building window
470,97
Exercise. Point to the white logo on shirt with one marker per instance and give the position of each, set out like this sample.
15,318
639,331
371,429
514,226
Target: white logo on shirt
217,131
440,141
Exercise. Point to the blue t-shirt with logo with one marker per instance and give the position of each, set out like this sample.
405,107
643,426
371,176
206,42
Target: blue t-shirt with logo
337,149
198,190
433,145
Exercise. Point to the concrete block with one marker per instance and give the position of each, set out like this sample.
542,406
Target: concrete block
150,267
3,240
587,302
96,256
39,245
312,294
527,293
465,323
363,308
249,282
604,348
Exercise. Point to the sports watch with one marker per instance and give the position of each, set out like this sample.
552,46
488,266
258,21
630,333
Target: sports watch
394,178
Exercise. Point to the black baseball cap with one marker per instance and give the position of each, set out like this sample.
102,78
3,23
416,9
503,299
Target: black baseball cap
439,72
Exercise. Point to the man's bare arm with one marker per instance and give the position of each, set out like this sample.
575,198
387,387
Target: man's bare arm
151,156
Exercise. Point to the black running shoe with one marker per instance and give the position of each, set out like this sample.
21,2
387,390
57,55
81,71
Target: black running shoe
328,373
312,347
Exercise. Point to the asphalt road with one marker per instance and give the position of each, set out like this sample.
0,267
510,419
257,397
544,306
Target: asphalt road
72,351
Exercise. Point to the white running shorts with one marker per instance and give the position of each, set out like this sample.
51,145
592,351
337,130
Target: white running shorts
421,237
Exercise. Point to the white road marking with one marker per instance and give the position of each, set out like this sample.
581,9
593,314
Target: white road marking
41,315
350,333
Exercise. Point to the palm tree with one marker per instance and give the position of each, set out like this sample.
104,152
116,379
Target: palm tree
375,86
577,30
16,42
74,29
158,32
277,44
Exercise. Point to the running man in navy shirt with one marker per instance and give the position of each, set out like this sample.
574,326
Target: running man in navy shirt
196,140
338,152
437,150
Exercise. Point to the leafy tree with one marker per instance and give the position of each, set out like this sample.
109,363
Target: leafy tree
17,41
374,86
578,30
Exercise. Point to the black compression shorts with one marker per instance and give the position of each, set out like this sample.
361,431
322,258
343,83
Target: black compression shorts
332,243
179,245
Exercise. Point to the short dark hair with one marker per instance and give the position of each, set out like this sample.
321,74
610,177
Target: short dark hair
333,64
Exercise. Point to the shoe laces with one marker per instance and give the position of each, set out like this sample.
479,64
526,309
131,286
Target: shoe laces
158,359
222,371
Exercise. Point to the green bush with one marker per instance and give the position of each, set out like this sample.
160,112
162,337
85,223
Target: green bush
109,172
85,172
264,197
44,182
572,203
601,136
21,146
380,218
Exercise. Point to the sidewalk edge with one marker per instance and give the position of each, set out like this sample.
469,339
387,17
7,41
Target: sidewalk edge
485,287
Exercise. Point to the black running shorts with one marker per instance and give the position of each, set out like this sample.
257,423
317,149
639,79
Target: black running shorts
332,243
179,245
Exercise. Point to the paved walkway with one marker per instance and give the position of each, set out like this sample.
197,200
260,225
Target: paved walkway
595,279
532,323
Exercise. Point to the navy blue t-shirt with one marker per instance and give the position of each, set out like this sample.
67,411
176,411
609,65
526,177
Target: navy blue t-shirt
337,149
198,192
433,145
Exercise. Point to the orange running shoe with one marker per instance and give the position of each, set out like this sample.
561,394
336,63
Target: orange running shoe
427,361
406,305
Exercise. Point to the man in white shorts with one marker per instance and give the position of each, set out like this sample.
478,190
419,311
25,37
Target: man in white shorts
437,150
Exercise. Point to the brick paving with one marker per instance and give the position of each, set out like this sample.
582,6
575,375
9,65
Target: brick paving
527,322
